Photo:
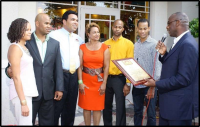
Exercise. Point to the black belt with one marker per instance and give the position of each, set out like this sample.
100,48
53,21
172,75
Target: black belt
114,76
67,71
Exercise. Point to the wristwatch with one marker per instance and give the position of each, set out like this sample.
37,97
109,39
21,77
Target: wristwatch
128,84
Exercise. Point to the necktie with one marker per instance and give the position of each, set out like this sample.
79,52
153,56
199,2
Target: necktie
72,67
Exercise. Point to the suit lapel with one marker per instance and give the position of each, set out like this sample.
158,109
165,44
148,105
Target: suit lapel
35,48
177,45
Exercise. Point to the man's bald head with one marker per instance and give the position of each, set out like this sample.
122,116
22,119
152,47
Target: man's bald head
42,23
120,21
40,17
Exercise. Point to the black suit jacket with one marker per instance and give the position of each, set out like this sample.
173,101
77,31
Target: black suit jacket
49,75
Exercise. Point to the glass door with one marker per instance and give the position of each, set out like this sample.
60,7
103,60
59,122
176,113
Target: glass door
104,17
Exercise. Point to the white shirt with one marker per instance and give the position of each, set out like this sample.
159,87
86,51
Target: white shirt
62,36
178,38
42,46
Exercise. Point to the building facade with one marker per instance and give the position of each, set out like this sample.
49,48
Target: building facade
102,12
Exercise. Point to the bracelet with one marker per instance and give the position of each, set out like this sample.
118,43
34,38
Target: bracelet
80,82
23,102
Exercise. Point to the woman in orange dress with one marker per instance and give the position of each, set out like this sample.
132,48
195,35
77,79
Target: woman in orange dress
92,75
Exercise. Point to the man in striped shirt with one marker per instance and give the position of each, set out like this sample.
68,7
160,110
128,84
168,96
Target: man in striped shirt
144,54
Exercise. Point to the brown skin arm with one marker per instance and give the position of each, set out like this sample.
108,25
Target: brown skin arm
106,70
81,86
14,57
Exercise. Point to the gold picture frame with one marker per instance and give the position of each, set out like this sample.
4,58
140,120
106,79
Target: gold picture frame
132,70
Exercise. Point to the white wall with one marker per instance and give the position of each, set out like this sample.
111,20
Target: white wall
158,19
159,13
11,11
173,7
189,8
192,13
28,10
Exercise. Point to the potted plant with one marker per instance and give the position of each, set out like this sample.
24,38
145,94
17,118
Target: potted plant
194,26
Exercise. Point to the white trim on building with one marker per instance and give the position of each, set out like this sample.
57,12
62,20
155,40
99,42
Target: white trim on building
159,13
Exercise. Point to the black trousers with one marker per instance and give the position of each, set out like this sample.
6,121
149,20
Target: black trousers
66,107
45,111
115,86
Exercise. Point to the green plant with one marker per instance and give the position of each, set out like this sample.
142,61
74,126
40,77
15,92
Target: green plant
194,27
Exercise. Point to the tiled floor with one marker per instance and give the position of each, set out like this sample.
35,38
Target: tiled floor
79,121
129,116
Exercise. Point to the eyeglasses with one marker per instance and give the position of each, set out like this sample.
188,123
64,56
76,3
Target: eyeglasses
168,23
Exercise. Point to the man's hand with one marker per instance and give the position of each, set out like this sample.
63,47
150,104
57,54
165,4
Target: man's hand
126,90
9,72
58,95
150,93
161,47
150,82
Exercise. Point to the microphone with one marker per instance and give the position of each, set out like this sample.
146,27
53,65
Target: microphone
163,38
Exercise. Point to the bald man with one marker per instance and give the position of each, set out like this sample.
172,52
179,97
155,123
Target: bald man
178,84
48,70
117,84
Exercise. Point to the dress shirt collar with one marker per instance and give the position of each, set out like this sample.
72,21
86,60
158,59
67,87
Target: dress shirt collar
67,32
147,40
37,39
118,38
179,37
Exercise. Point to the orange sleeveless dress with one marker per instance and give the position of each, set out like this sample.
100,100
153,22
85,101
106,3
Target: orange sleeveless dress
92,100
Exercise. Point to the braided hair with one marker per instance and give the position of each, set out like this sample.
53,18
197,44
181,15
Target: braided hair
17,30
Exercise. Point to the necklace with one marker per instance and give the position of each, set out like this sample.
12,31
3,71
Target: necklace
26,51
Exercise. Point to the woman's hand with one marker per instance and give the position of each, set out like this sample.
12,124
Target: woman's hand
102,89
82,88
25,110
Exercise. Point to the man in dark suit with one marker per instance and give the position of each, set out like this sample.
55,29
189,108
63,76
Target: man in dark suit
48,70
178,85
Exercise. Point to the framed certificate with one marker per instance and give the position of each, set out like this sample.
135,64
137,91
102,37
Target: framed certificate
132,70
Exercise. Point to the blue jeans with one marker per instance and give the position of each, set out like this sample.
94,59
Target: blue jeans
138,100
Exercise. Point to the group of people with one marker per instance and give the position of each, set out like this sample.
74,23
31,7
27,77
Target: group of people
49,70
